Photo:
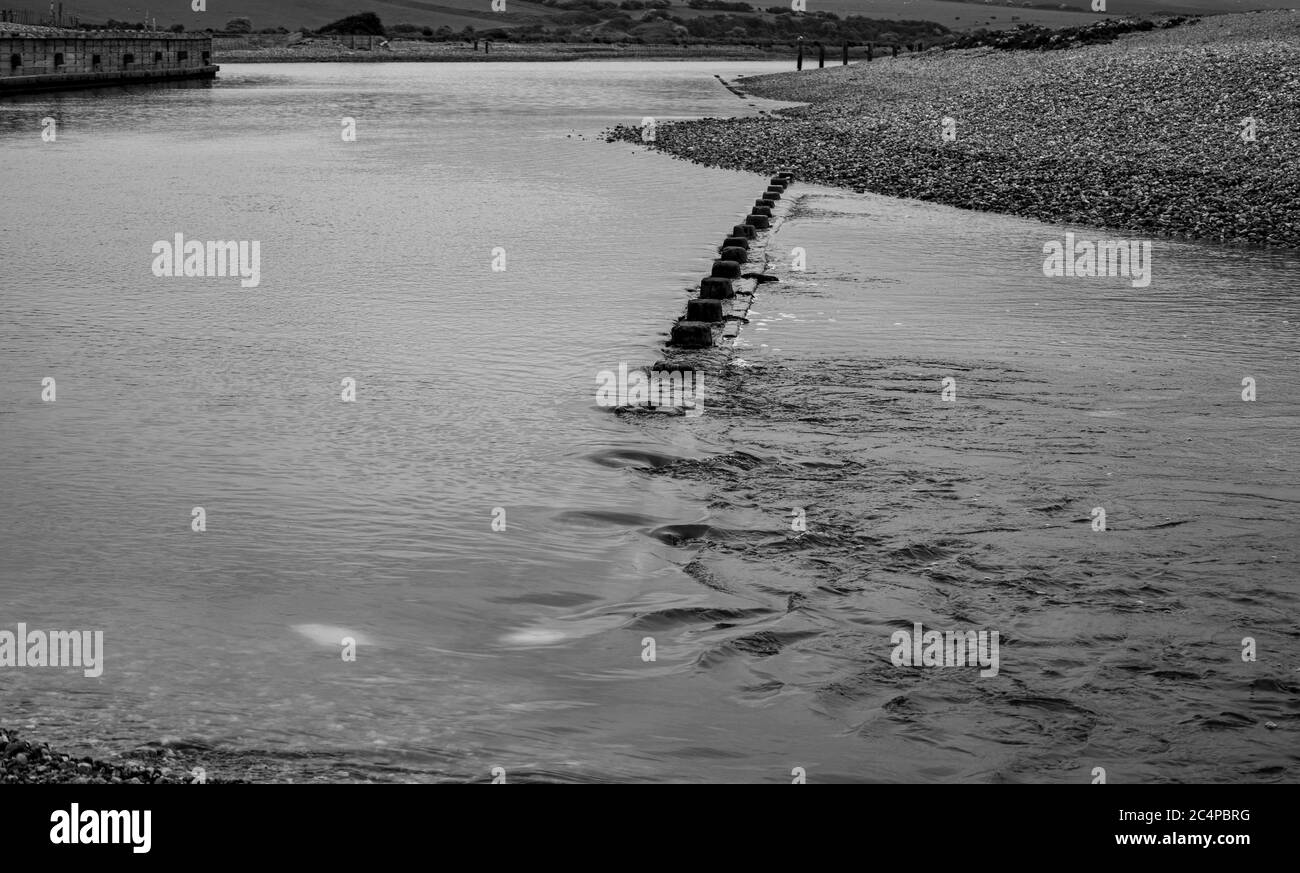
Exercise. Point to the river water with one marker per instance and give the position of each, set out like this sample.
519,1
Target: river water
522,648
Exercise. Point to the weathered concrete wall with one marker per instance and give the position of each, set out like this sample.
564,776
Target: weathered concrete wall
100,57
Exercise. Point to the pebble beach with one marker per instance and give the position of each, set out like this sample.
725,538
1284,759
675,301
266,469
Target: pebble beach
1189,132
26,762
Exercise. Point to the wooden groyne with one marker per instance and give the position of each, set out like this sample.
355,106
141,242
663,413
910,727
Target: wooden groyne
38,60
726,294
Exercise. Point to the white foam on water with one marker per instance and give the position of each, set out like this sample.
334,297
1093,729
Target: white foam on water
574,627
534,636
330,635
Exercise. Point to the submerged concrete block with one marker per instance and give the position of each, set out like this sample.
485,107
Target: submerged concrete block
693,334
743,230
717,288
765,201
726,269
758,221
773,193
761,210
704,309
734,253
736,242
778,182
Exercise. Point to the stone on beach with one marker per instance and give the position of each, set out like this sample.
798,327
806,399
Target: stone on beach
29,763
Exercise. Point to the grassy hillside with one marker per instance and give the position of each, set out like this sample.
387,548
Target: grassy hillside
458,14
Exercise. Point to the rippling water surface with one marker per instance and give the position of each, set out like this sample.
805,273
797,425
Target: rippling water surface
523,648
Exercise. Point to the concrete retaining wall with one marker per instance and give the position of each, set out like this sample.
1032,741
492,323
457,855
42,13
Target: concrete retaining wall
77,59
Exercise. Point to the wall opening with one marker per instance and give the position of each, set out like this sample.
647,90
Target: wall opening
207,58
182,56
157,57
95,60
58,59
128,60
15,62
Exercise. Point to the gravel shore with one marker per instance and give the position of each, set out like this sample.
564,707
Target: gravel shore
1144,134
23,762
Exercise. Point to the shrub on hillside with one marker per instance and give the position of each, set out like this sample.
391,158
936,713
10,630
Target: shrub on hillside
362,24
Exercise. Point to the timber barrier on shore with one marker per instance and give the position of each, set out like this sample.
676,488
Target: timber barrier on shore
727,293
868,55
716,315
33,61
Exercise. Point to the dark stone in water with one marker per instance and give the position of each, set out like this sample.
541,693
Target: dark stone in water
741,242
758,221
743,230
734,253
760,278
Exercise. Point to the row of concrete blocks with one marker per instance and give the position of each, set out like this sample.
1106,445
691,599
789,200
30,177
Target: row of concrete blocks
705,312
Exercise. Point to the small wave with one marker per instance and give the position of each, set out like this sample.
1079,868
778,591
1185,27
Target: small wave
687,615
680,534
761,644
631,458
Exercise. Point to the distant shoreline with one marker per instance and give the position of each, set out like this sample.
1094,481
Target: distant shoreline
316,53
